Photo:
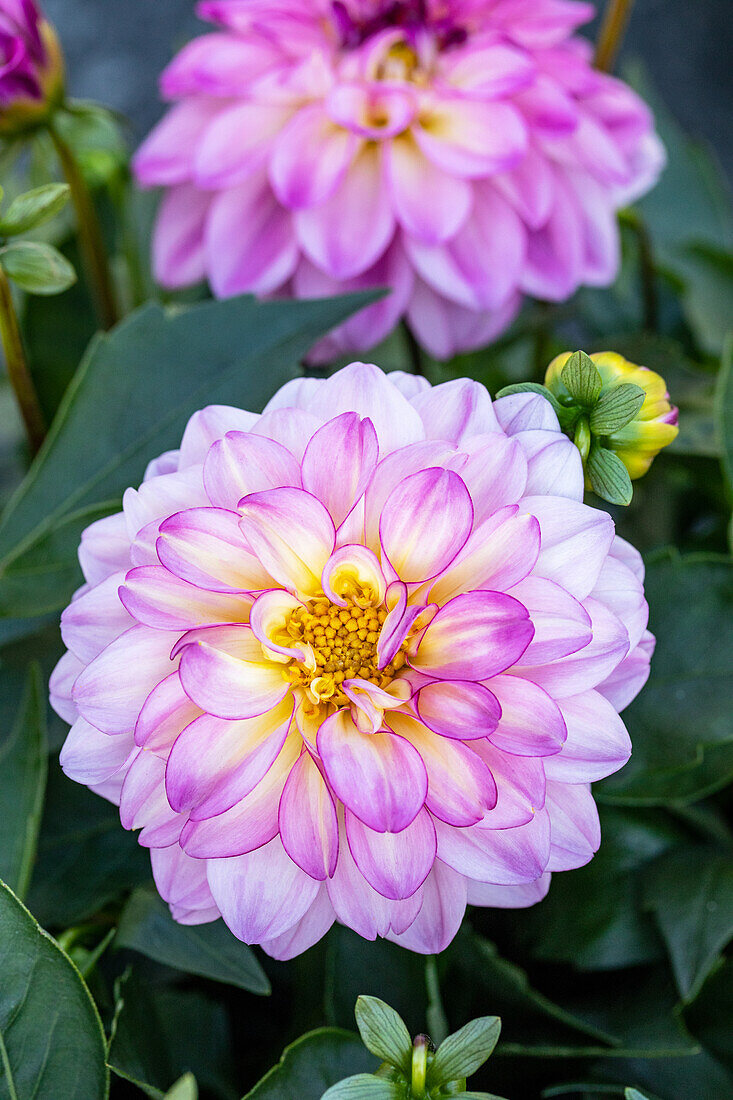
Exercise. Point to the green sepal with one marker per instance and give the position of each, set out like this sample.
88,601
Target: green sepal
384,1033
365,1086
581,379
34,208
37,268
184,1089
531,387
462,1053
616,408
608,476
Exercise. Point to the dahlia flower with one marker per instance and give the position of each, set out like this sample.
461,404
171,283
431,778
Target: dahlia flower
358,658
653,428
31,68
463,153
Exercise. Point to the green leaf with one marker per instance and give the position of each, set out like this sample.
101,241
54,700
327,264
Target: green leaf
37,268
681,723
208,950
615,408
708,294
531,387
34,208
709,1016
608,476
51,1039
475,1096
131,399
634,1094
367,1087
462,1053
184,1089
384,1033
23,770
581,379
313,1063
690,892
724,412
85,858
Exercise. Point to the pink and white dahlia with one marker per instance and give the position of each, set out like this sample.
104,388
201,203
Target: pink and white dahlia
463,153
358,658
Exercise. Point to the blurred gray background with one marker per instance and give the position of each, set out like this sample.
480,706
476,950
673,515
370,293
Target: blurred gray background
116,48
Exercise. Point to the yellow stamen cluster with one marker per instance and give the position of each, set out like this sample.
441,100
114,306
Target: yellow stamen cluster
344,644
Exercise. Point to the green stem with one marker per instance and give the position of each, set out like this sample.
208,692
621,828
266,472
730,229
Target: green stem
90,235
615,22
414,351
437,1022
17,368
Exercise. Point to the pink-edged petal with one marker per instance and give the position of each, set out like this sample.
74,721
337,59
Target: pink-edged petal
425,523
395,864
166,156
262,894
392,470
531,722
292,534
554,465
459,709
374,111
339,462
269,619
61,685
575,542
165,714
471,137
590,666
310,158
104,549
159,599
160,497
250,242
365,389
354,572
520,784
242,463
250,823
460,786
509,897
574,825
95,618
143,802
214,763
523,412
305,933
529,187
400,620
307,820
209,425
495,472
380,777
179,237
412,178
293,428
561,623
369,702
474,636
621,590
628,678
205,547
359,906
445,328
89,756
506,857
494,558
225,673
236,144
221,65
360,202
111,690
455,411
597,741
182,881
494,70
441,914
556,251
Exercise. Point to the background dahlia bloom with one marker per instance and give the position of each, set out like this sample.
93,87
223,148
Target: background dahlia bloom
358,658
30,61
462,152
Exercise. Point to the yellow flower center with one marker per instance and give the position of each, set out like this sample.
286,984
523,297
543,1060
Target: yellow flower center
344,644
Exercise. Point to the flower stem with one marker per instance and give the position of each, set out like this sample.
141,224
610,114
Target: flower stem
414,352
90,235
615,22
17,368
